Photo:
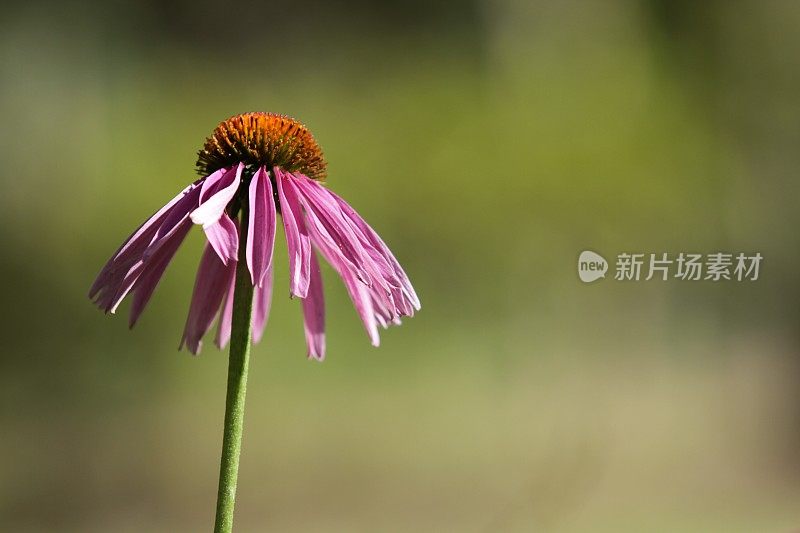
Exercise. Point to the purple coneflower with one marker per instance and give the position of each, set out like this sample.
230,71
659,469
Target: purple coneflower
256,166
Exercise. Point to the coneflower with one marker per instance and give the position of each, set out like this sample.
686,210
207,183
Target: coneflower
255,166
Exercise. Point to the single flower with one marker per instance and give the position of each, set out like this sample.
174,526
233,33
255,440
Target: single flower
260,165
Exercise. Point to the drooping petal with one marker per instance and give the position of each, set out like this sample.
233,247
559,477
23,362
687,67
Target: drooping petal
384,313
226,313
110,298
213,279
377,285
262,299
223,236
154,269
324,217
352,250
125,272
261,230
358,291
175,220
314,313
378,243
362,301
297,239
218,190
107,284
323,204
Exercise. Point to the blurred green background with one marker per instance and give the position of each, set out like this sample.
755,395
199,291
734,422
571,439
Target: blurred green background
488,142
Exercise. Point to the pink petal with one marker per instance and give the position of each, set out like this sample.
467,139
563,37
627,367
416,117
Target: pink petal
173,227
314,313
213,279
323,216
174,221
262,298
218,190
378,243
297,239
261,230
359,294
107,284
226,313
112,299
362,301
154,269
333,231
223,235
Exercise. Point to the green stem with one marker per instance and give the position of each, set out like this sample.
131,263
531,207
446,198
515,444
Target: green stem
237,387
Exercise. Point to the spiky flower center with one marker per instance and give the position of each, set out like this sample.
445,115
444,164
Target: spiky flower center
262,139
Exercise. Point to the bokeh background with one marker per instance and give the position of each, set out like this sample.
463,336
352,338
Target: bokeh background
489,142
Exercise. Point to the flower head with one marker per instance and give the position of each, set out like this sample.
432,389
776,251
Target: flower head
256,166
262,140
